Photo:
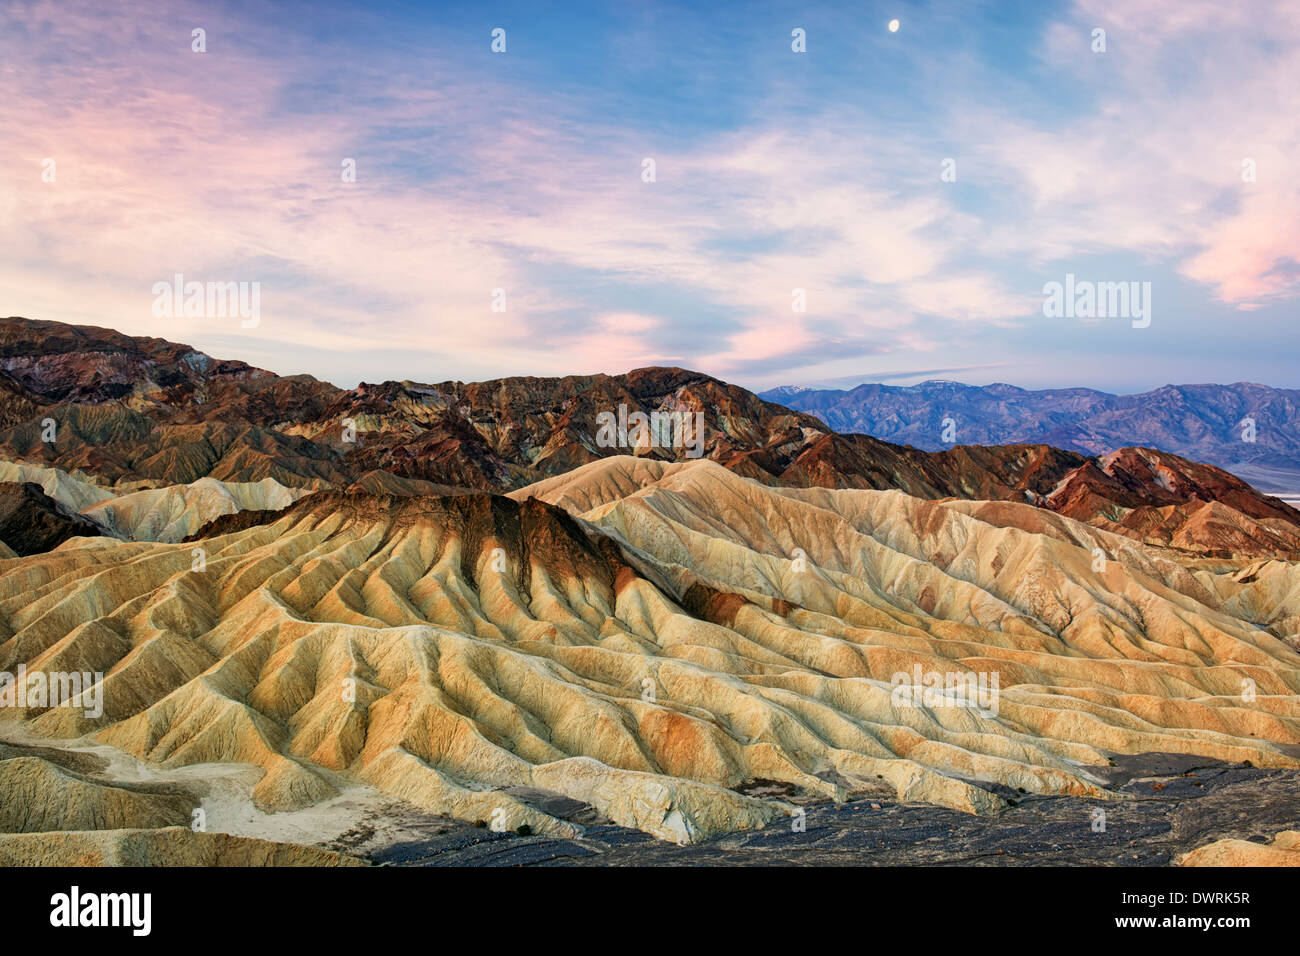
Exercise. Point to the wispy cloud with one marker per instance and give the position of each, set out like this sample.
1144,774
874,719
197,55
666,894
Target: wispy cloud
477,172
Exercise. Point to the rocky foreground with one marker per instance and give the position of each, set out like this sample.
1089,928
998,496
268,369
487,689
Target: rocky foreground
1166,809
1173,810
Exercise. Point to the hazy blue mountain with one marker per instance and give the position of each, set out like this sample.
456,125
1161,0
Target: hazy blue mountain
1200,422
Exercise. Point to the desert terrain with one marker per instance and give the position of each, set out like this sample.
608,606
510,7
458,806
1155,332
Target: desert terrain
430,624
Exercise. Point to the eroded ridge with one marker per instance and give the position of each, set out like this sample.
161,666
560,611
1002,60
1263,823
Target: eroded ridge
644,637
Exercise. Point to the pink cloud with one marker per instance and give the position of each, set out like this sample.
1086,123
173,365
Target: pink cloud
170,161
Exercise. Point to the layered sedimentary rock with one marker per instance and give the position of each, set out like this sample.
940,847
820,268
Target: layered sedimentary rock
172,846
50,506
1283,851
31,521
1169,501
175,512
40,795
74,492
327,585
137,412
646,637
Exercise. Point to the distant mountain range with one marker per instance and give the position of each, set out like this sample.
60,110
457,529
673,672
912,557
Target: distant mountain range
1205,423
132,413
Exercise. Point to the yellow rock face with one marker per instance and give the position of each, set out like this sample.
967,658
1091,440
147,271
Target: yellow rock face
40,796
676,632
173,513
173,846
153,514
1285,851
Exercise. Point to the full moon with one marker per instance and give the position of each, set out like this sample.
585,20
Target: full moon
893,26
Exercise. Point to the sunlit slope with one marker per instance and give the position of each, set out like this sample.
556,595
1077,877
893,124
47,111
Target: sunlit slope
682,632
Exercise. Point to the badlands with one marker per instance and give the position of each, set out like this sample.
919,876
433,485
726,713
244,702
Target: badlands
675,648
420,623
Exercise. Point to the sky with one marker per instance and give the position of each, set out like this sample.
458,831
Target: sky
921,187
